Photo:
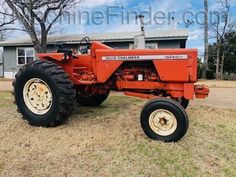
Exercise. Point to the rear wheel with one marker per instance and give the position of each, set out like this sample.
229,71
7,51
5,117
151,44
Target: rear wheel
94,100
44,94
164,120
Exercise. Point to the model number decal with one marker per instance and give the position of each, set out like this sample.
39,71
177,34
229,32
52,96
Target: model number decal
146,57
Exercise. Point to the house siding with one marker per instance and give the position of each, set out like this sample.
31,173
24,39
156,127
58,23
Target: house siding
121,45
1,70
169,44
1,64
10,66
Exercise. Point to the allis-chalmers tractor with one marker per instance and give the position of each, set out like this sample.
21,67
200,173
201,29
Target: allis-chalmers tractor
46,90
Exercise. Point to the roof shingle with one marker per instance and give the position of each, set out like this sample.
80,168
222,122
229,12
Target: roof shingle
105,37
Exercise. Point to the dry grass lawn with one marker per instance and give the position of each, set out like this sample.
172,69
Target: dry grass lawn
218,84
108,141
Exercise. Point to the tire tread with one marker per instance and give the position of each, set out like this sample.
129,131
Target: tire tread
65,89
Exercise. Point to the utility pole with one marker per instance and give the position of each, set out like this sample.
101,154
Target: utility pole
206,44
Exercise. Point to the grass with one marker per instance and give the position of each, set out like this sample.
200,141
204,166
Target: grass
116,105
4,79
218,84
6,99
108,141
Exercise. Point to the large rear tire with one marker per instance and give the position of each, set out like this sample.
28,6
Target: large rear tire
44,94
94,100
164,120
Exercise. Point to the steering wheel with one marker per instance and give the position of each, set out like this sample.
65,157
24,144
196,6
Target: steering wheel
87,42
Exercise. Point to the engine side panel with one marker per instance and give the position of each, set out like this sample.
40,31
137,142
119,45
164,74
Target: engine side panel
105,69
172,65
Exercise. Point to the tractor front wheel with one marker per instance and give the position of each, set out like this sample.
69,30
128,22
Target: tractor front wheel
164,120
44,94
93,100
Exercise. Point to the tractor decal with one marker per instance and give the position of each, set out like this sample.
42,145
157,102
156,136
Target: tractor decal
146,57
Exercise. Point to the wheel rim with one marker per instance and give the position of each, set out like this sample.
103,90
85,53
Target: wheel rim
37,96
163,122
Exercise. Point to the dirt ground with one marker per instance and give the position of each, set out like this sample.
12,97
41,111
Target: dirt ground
108,141
5,85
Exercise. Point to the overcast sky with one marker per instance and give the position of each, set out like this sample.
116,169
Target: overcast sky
95,16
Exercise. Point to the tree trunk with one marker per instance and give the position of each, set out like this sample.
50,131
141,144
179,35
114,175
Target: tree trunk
222,66
44,36
218,62
206,52
39,48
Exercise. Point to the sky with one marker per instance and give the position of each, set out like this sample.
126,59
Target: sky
101,16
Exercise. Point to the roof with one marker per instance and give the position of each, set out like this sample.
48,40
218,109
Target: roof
168,34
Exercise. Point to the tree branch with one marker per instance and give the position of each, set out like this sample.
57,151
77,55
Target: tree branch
27,13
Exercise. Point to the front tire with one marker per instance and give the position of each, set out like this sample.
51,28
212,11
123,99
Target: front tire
164,120
44,94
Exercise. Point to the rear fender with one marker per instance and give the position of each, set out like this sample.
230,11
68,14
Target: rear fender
52,56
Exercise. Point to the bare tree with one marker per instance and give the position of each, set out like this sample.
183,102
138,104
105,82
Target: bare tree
222,26
6,19
206,28
38,17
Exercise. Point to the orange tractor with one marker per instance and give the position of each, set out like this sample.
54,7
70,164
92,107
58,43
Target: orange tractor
46,90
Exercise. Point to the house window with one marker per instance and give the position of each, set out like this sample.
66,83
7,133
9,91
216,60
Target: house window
151,46
25,55
147,45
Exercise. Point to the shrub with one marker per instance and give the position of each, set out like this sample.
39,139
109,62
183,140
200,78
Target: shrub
210,75
231,77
